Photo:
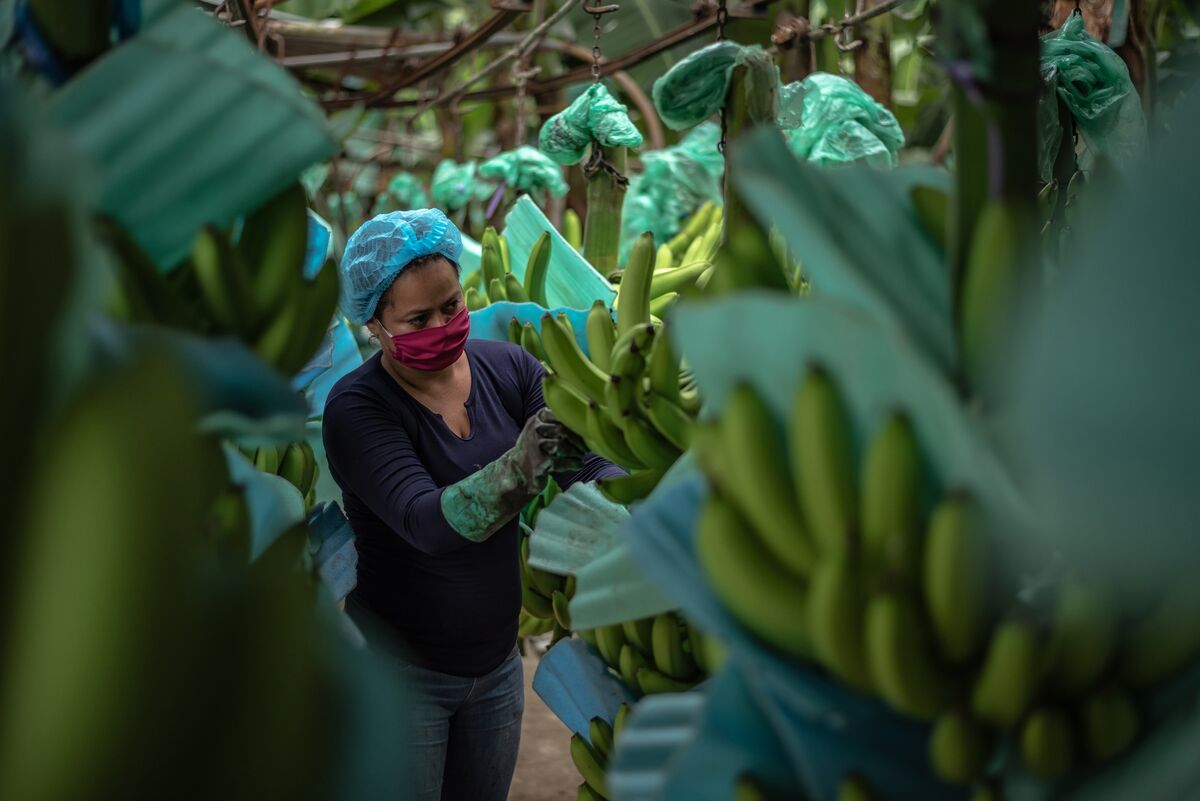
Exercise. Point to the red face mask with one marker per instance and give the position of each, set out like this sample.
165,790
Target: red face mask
432,348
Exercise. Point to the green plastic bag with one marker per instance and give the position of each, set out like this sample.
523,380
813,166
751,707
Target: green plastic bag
695,88
831,120
404,192
1093,83
525,169
594,116
453,184
674,182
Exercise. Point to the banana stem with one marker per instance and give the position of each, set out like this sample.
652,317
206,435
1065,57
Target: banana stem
752,100
77,31
602,223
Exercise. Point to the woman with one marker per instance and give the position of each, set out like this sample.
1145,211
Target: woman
437,444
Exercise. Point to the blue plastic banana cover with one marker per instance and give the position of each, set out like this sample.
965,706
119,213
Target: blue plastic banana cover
830,120
382,247
593,116
525,169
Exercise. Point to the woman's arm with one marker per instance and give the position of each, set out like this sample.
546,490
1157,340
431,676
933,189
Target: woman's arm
375,460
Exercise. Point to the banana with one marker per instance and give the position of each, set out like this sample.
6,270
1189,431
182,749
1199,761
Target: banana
1166,639
628,663
589,764
545,583
651,448
989,791
1110,722
633,294
491,262
535,603
660,306
514,330
536,269
601,335
532,342
296,331
273,244
1048,744
835,619
897,651
1083,637
693,228
990,282
294,466
653,682
959,747
854,788
312,471
224,287
620,720
568,360
567,405
266,459
707,650
664,259
475,299
600,732
890,493
640,633
586,793
667,648
755,470
605,438
762,594
504,254
662,367
672,422
631,488
822,462
1009,675
955,580
495,291
531,626
748,788
689,400
572,229
559,605
513,290
692,254
569,587
678,279
609,640
710,242
474,280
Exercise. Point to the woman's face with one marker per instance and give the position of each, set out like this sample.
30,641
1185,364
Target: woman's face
426,296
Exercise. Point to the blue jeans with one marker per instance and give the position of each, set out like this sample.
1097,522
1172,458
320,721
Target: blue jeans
465,732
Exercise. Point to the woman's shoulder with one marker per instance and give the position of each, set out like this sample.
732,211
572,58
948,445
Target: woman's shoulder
361,383
501,356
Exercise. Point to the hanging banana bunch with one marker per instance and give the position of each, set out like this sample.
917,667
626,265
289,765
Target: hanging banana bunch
495,282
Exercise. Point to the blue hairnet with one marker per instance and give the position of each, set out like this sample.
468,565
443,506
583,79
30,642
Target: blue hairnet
383,246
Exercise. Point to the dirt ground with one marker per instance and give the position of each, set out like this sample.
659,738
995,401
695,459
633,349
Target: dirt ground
544,769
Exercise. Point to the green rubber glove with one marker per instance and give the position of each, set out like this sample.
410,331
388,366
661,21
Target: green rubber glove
484,501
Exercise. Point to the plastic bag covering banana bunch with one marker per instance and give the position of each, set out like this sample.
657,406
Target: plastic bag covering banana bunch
1093,83
404,191
594,116
829,119
453,184
673,184
525,169
695,88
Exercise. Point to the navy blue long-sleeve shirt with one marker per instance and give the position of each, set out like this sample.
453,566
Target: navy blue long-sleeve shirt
453,603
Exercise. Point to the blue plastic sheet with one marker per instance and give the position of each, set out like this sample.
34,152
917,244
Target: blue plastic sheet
331,544
491,322
338,356
320,239
577,686
579,525
570,280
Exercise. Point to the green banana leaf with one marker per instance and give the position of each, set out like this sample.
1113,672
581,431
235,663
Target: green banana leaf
856,232
1101,415
570,281
186,124
770,342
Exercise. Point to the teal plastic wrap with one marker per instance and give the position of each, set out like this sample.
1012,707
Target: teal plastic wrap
831,120
594,116
453,184
695,88
673,184
404,191
525,169
1093,83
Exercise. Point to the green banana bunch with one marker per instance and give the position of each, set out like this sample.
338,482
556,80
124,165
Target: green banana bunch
898,652
633,294
544,595
530,626
536,270
822,463
591,765
836,604
890,496
1010,674
296,462
695,227
667,646
1048,743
